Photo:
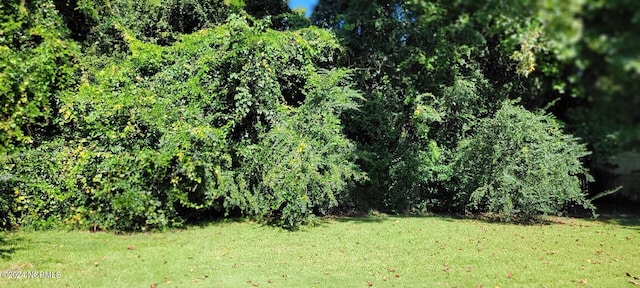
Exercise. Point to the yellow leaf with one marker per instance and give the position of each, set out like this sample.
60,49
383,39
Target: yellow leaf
301,147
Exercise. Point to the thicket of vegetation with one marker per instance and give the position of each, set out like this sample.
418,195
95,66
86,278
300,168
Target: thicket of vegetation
135,115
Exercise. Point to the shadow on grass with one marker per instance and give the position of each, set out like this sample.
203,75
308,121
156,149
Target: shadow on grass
361,219
205,223
381,218
8,245
623,214
619,212
627,220
630,221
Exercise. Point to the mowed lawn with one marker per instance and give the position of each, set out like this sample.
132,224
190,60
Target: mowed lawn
346,252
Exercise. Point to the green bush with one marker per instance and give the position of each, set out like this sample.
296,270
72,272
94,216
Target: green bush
171,115
520,164
232,119
38,182
304,165
36,63
77,184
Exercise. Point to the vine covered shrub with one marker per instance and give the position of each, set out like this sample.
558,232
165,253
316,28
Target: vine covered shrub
234,119
36,63
76,184
299,167
520,164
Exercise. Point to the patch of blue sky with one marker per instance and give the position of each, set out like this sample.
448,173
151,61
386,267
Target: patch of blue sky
308,5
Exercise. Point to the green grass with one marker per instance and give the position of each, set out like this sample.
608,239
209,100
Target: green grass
350,252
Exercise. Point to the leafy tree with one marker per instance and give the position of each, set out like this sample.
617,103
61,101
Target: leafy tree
419,67
605,78
430,70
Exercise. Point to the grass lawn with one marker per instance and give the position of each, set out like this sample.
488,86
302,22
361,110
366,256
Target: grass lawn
347,252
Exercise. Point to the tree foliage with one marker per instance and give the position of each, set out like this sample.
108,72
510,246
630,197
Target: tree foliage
158,22
135,115
605,78
440,68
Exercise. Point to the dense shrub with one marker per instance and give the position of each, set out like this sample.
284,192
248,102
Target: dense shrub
36,63
231,119
299,167
520,164
73,183
182,109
